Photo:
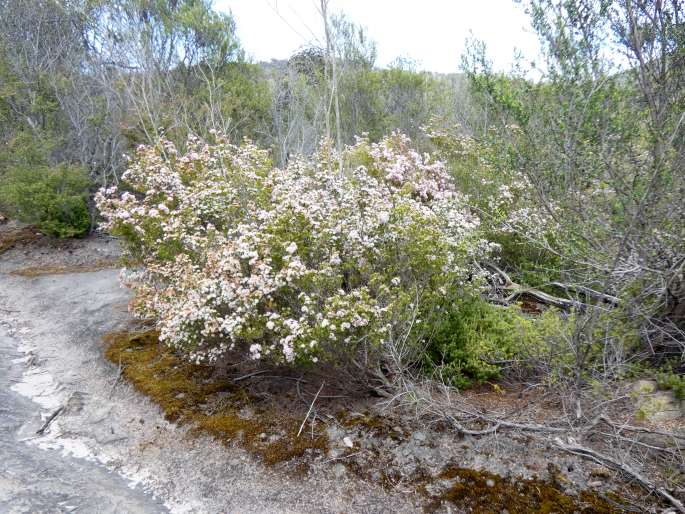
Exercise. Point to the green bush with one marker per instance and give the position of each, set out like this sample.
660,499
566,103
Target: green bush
671,381
54,199
476,340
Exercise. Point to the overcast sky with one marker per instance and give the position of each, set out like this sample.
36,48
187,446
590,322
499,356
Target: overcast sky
432,32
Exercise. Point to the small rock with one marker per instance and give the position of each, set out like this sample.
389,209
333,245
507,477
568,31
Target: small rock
246,413
595,484
180,396
348,442
659,406
334,453
334,433
419,436
490,482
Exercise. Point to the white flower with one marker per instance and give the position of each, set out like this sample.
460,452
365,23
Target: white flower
225,279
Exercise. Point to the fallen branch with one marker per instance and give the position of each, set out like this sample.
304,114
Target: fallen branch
620,467
515,290
49,420
613,300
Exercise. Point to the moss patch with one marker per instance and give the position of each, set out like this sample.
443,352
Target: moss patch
63,270
481,492
193,394
10,238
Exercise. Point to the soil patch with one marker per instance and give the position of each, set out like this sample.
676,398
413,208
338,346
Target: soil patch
382,449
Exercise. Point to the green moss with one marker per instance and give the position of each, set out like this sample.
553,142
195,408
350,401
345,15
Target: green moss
481,492
193,394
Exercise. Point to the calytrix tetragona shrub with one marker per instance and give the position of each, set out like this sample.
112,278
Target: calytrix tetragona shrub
303,264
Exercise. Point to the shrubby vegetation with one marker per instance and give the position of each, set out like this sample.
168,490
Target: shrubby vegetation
303,264
335,239
54,199
95,79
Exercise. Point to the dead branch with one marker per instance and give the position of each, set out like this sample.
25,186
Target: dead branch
631,428
515,290
591,293
49,420
587,453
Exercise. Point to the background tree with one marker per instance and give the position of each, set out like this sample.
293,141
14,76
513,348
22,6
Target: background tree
600,139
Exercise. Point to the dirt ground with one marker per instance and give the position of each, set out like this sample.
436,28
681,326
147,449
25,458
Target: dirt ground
58,300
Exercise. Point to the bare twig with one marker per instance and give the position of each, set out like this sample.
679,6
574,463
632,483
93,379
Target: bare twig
343,457
605,460
631,428
310,409
250,375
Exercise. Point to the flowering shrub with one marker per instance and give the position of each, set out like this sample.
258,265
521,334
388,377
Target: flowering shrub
511,212
302,264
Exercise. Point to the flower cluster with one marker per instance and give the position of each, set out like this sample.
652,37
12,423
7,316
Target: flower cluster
305,263
506,195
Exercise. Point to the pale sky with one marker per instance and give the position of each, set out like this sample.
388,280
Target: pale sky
432,32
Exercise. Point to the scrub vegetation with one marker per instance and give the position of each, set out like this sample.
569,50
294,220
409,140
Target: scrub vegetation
402,236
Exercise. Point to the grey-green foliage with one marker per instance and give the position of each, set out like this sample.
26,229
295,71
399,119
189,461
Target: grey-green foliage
83,82
373,100
602,140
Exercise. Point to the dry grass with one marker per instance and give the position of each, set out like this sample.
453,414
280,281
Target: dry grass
12,237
